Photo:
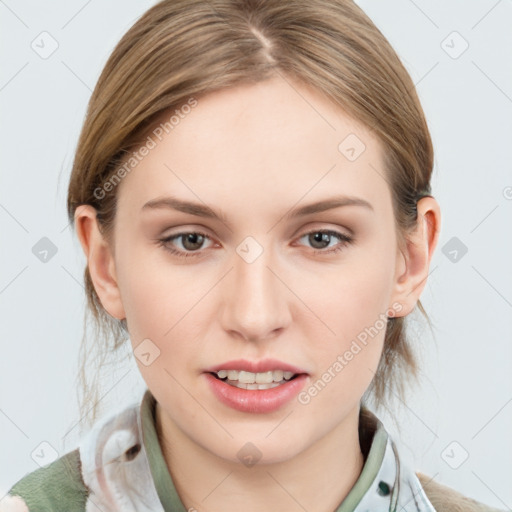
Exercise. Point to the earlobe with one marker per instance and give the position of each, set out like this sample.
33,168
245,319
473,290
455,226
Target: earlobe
413,261
100,260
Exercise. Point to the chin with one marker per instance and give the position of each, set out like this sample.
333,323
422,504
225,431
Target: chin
259,450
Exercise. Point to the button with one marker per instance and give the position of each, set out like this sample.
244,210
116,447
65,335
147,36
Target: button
383,489
132,452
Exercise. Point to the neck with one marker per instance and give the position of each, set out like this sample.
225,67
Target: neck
319,478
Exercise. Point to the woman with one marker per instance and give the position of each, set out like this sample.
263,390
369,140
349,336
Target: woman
252,191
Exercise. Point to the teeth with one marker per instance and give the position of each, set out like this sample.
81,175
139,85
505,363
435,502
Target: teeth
264,378
278,375
241,385
253,380
246,377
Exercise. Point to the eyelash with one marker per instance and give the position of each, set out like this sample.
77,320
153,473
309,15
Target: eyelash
345,240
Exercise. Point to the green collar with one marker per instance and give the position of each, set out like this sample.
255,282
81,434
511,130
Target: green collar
163,482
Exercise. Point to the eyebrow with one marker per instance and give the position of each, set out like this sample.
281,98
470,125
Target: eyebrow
202,210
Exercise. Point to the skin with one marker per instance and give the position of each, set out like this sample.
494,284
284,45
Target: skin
255,152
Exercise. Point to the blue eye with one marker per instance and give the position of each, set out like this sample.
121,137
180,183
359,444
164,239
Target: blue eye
197,238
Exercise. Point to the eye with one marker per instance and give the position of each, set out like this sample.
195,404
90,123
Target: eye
321,238
191,243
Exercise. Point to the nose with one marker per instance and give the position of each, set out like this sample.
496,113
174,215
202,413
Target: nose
256,305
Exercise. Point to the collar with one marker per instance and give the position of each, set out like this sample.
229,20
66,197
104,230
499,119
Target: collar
123,463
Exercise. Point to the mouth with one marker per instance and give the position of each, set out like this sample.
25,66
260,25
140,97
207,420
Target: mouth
255,386
249,380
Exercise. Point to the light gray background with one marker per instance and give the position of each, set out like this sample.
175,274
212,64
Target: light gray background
464,406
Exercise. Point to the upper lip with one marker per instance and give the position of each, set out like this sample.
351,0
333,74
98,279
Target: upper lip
264,365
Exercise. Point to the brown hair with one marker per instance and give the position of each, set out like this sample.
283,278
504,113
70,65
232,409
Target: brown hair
182,49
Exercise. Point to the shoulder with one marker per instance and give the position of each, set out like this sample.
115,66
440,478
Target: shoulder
55,487
446,499
110,464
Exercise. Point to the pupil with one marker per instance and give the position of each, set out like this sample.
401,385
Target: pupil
323,238
192,238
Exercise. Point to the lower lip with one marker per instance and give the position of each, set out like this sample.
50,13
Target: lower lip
256,400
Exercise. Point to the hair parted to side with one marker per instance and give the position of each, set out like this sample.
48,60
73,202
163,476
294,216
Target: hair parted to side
183,49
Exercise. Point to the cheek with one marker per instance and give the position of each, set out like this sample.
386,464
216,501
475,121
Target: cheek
154,297
355,297
162,304
347,362
354,304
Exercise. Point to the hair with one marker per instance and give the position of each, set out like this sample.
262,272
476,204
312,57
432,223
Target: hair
183,49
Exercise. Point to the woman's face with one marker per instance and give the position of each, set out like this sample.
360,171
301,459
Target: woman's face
261,282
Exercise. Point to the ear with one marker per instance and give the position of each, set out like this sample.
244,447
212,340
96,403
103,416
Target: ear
413,260
100,260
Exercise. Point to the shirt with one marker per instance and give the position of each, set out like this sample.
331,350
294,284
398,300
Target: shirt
119,466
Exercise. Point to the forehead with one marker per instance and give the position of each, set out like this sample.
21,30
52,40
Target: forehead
275,141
